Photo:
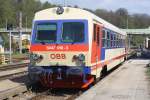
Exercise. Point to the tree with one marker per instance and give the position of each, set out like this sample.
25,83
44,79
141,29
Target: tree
47,5
7,12
122,16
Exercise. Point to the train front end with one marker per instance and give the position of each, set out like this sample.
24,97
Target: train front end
59,52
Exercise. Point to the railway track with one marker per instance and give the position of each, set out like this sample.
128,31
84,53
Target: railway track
13,66
64,94
27,92
57,94
14,70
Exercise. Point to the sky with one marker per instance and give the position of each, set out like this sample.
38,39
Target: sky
133,6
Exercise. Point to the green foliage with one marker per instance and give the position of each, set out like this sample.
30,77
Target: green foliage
9,11
137,40
122,19
6,12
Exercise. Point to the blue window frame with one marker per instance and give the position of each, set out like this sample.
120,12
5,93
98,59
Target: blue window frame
60,31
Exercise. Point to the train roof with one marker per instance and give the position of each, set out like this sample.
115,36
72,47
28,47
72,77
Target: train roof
74,13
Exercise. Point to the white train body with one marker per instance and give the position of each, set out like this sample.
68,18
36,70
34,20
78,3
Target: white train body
71,42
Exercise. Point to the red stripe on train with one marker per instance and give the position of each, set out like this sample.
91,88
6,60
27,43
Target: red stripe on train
101,64
59,47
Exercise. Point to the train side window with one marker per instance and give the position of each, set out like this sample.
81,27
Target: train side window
115,40
117,37
94,35
119,40
108,39
104,38
112,40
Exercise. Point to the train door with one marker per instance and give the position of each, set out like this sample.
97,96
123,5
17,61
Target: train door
96,45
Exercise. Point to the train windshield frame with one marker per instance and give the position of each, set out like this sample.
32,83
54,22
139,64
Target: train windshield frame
46,32
73,32
55,34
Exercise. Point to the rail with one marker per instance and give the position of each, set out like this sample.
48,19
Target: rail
13,70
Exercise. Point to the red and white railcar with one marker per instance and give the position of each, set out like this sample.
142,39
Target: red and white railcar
71,47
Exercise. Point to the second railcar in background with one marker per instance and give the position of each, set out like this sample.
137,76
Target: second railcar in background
71,47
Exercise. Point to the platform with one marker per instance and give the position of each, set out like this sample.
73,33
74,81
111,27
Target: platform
128,82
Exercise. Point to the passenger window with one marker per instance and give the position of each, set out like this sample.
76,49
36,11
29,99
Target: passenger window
112,40
108,39
104,38
117,41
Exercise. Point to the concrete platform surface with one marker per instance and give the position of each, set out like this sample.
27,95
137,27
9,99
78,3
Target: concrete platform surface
128,82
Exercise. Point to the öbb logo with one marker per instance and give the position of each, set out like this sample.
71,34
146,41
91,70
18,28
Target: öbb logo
57,56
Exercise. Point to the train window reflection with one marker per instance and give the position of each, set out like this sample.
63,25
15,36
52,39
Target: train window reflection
46,32
73,32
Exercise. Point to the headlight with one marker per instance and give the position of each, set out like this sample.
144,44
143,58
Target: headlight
81,57
79,60
36,57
